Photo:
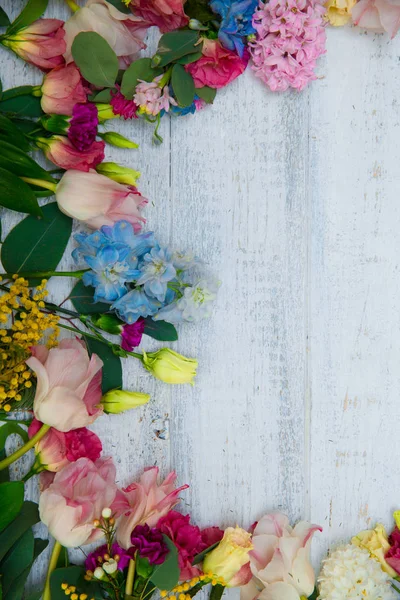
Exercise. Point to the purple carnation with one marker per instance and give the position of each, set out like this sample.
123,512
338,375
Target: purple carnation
83,126
92,561
132,335
149,543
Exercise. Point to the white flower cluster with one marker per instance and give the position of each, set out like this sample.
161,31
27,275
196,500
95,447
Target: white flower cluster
349,573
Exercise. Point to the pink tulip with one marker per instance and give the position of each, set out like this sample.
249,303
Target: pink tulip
217,67
75,499
145,502
378,15
167,15
280,561
68,391
63,153
41,43
57,449
97,200
123,32
63,88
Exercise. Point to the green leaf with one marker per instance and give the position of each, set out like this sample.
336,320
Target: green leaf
17,587
4,20
28,516
175,45
200,10
201,556
32,11
16,195
95,58
63,559
10,133
39,547
104,96
22,106
34,595
73,576
18,162
189,58
20,90
217,592
166,575
11,500
207,94
314,595
160,330
37,245
112,368
183,86
17,560
120,5
140,69
6,430
82,299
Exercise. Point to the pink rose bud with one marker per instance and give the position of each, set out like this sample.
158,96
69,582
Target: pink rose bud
60,150
68,391
217,67
97,200
63,88
41,43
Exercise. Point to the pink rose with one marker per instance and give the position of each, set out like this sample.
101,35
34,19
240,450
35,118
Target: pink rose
68,391
392,557
57,449
280,560
378,15
97,200
123,32
167,15
62,88
217,67
64,154
145,502
41,43
75,499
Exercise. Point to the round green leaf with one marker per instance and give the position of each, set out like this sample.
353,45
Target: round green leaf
11,500
140,69
175,44
95,58
207,94
37,245
160,330
166,576
15,194
183,85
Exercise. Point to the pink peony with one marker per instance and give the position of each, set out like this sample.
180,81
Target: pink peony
68,391
62,88
60,150
217,67
41,43
392,557
167,15
57,449
290,37
97,200
145,502
123,32
280,560
75,499
378,15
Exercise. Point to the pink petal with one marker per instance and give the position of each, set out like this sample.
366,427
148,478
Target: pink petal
366,15
279,591
390,16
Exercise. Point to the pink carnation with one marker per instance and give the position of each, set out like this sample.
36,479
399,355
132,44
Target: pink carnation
123,107
290,37
217,67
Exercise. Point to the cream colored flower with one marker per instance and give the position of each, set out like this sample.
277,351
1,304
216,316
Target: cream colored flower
377,544
338,12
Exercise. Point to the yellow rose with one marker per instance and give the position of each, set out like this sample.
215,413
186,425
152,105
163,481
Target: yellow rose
169,366
377,544
228,558
339,11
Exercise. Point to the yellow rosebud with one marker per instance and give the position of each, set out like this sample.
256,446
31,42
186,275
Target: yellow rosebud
377,544
116,139
105,112
338,12
116,401
169,366
228,558
117,173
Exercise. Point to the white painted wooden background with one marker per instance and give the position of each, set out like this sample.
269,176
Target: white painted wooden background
294,200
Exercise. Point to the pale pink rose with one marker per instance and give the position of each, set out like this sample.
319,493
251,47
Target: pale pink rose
123,32
62,88
68,390
41,43
167,15
57,449
97,200
75,499
280,560
63,153
145,502
217,67
378,15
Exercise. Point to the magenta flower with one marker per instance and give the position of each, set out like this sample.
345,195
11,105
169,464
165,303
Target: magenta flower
123,107
132,335
392,557
83,126
149,543
290,37
92,561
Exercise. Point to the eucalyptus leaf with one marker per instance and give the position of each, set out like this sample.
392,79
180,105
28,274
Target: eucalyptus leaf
112,368
16,195
95,58
140,69
189,58
18,162
82,299
104,96
166,575
28,516
207,94
32,11
176,44
160,330
11,500
182,85
37,245
18,559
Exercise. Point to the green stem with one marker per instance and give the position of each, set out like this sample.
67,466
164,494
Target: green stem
165,78
52,565
47,274
396,588
47,185
21,451
73,5
100,338
129,578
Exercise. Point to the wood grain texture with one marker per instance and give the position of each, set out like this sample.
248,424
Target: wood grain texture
292,200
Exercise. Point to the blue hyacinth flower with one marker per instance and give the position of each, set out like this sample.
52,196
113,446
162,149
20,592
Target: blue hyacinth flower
135,304
237,22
